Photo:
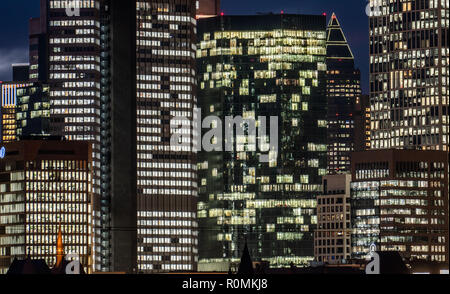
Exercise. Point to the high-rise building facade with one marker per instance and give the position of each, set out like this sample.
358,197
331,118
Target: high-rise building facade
252,67
343,91
45,185
71,45
409,109
118,73
333,234
166,174
399,201
409,76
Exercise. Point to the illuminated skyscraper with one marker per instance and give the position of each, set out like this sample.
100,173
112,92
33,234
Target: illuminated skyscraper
409,76
262,66
118,73
409,109
73,44
44,185
166,176
343,92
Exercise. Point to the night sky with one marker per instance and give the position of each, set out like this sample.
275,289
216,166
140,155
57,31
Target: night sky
14,16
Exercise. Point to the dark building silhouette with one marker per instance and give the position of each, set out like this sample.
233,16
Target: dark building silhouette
38,46
20,72
246,264
28,266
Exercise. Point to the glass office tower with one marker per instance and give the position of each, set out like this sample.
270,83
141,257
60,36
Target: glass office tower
33,110
344,92
252,67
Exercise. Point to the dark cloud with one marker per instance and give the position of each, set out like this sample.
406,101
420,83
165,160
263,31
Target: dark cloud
8,57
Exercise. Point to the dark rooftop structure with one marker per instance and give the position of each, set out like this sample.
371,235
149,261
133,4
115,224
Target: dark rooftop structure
28,266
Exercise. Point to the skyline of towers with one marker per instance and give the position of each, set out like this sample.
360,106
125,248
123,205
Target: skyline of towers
129,71
88,85
254,67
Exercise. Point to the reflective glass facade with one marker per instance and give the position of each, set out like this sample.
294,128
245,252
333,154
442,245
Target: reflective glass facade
253,66
33,110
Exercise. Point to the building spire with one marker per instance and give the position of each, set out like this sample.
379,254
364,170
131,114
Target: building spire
59,248
246,265
337,45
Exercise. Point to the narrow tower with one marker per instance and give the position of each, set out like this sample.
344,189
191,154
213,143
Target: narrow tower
343,91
